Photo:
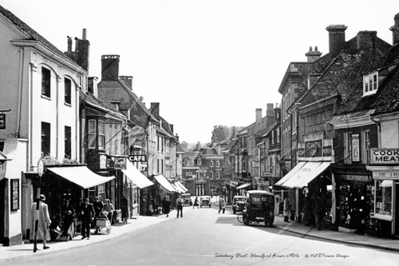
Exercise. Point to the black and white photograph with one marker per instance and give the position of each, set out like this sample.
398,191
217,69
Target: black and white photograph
199,132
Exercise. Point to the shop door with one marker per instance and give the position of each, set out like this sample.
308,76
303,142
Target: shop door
396,206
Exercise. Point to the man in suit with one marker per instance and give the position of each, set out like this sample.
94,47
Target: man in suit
86,214
42,217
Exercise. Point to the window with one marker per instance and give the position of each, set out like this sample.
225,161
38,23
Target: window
67,87
366,147
384,197
92,134
158,166
211,174
68,142
46,82
211,163
45,138
101,135
199,161
370,84
347,147
217,175
278,135
217,163
272,137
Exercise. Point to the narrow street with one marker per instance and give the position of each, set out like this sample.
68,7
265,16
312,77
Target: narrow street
204,237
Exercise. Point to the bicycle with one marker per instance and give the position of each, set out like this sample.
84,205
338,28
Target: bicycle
240,217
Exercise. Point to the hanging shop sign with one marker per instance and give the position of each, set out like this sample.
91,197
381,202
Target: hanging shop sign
14,194
233,183
120,163
385,156
137,158
2,121
313,148
355,148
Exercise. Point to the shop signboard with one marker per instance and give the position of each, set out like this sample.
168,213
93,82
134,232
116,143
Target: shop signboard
356,178
233,183
385,156
120,163
313,148
137,158
14,194
2,121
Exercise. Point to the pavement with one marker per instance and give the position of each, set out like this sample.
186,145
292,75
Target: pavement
26,249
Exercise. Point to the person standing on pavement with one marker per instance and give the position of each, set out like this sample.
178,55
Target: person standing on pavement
166,206
287,209
318,209
222,204
86,214
98,208
179,206
109,208
43,218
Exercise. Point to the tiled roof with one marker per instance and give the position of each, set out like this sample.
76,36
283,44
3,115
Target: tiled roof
32,34
101,101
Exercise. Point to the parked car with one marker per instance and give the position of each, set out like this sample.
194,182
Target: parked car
205,201
187,199
238,203
259,207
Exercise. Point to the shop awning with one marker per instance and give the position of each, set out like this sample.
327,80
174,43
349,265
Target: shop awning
306,174
165,183
177,188
290,174
243,186
136,176
182,186
80,175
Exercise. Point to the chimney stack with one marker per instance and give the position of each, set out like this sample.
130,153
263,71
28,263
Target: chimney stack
336,39
128,80
395,30
258,113
313,55
82,51
155,109
110,67
365,40
270,110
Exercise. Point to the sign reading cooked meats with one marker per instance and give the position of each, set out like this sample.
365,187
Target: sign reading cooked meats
385,156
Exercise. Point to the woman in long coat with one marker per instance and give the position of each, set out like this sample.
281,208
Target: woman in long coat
287,209
44,222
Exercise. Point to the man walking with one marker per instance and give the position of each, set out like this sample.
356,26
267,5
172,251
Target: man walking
222,204
179,206
87,214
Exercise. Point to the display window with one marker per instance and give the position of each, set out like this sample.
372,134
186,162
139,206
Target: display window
383,197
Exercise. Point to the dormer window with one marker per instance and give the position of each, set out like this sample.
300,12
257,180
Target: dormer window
370,84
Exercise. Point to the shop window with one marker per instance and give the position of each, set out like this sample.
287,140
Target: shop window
68,142
383,197
67,87
46,82
46,138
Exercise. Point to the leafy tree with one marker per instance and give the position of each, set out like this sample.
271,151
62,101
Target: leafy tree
184,145
219,134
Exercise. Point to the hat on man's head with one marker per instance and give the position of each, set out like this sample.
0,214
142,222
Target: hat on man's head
42,197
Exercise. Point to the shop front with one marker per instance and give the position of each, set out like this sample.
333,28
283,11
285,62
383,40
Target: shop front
386,199
353,189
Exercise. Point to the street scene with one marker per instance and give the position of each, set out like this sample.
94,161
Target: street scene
198,132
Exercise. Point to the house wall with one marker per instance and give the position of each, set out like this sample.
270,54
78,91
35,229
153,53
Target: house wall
389,133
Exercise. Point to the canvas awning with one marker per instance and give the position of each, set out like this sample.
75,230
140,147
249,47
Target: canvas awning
181,186
136,176
165,183
290,174
80,175
306,174
243,186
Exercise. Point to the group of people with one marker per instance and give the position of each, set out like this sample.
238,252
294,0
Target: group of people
166,205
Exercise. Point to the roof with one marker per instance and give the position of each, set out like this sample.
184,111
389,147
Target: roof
32,34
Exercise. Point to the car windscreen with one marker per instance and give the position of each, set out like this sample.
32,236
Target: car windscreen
258,199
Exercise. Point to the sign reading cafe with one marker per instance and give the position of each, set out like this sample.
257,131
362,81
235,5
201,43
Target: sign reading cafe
385,156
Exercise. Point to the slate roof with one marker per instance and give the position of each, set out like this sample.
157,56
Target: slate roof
32,34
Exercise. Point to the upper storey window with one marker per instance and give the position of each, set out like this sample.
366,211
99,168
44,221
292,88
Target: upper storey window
46,82
370,84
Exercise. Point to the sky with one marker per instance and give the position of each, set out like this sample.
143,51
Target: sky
207,62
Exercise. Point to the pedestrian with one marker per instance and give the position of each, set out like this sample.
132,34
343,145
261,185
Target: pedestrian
318,209
98,207
87,214
125,210
196,203
109,208
166,206
222,204
179,206
69,215
286,209
44,221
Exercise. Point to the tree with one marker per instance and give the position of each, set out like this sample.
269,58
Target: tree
184,145
219,134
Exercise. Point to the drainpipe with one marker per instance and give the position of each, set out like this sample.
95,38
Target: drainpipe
20,87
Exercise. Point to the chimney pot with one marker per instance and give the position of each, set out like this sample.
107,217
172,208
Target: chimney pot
84,34
336,38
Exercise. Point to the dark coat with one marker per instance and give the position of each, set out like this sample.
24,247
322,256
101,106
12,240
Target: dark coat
166,206
98,207
86,213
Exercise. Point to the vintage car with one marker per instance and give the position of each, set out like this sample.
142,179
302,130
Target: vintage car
187,199
205,201
259,207
238,203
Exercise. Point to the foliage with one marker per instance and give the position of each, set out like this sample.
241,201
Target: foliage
184,145
220,133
